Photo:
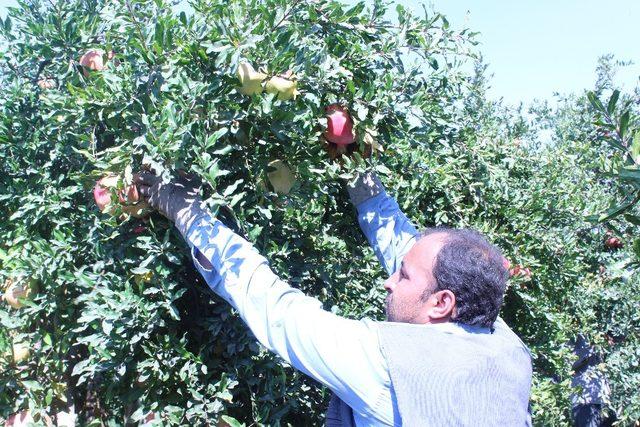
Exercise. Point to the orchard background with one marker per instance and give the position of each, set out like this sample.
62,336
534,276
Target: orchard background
119,325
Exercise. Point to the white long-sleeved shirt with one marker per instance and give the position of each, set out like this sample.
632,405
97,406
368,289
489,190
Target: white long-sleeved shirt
342,354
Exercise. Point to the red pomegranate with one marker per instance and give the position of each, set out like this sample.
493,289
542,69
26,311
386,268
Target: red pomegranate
128,197
521,271
613,243
339,125
102,191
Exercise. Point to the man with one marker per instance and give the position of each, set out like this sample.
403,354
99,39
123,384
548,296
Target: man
591,387
442,359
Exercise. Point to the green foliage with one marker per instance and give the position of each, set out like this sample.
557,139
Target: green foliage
617,125
123,325
605,303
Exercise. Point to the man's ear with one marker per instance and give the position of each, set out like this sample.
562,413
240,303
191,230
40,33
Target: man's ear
443,305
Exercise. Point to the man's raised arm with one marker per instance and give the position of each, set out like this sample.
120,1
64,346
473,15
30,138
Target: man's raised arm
340,353
388,230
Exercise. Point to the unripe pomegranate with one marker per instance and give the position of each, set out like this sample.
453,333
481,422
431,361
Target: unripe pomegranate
250,79
19,419
18,289
281,178
285,88
21,352
45,84
339,125
93,60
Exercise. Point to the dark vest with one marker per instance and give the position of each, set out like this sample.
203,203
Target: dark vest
339,414
452,375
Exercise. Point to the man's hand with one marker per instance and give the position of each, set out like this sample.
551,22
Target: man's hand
336,151
179,201
364,187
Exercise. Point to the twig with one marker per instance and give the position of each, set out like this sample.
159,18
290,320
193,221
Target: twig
286,15
137,24
15,70
41,66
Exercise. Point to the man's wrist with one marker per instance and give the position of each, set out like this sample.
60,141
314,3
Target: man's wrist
186,216
364,187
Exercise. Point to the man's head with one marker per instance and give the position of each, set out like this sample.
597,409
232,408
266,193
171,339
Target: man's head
448,275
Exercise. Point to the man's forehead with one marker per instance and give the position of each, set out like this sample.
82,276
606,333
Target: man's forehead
425,249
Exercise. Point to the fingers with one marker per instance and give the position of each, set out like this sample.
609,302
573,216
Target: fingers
193,179
144,191
144,181
331,150
368,149
336,151
146,178
184,174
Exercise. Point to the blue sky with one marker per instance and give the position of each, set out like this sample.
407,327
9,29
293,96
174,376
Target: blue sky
537,47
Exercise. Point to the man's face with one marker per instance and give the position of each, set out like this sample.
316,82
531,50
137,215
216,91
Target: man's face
406,287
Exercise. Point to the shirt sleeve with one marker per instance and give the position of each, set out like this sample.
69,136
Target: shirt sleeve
388,230
340,353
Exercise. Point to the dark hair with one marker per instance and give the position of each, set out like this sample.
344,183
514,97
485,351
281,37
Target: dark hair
473,269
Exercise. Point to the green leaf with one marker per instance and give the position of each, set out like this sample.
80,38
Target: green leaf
140,270
361,112
32,385
613,141
617,210
635,147
611,106
636,247
214,137
445,22
356,10
173,311
630,174
232,421
595,102
624,123
223,151
633,219
159,37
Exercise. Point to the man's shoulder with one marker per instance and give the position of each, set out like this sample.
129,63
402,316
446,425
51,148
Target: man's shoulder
501,328
450,332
